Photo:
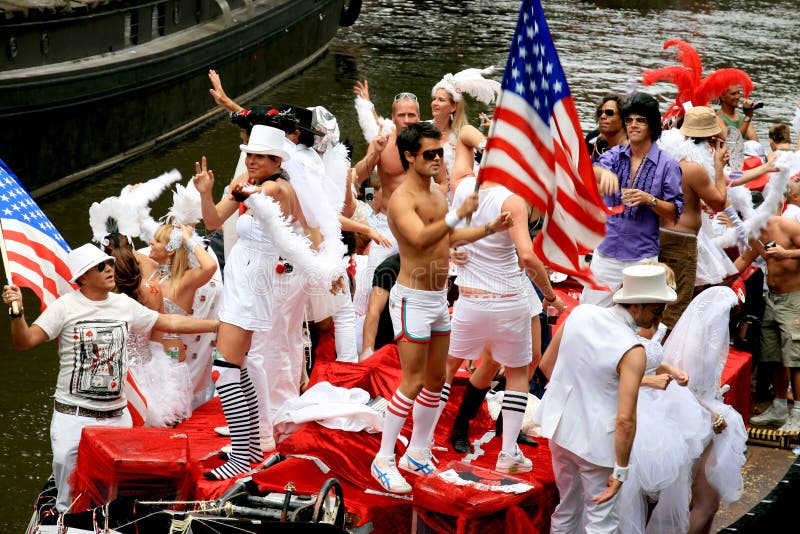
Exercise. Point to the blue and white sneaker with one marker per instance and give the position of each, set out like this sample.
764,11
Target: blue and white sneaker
384,470
417,462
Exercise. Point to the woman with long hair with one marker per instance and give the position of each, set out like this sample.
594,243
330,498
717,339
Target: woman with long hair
173,248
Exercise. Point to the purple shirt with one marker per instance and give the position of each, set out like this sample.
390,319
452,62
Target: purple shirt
633,234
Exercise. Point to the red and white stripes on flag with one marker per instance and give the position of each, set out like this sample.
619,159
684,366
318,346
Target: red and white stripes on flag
536,149
37,254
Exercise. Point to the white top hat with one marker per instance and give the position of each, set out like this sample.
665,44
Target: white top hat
643,284
83,258
266,140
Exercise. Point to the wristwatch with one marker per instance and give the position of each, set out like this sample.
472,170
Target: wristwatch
654,201
747,119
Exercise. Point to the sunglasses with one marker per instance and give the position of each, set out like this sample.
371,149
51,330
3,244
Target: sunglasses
430,155
102,265
637,120
400,96
606,112
658,311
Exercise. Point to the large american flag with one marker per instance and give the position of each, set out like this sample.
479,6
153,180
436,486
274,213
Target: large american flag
37,254
536,149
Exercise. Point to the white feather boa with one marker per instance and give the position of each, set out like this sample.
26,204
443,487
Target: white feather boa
186,204
371,127
137,198
755,220
683,148
320,268
337,168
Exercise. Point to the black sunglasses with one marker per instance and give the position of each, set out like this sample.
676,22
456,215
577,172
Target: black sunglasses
638,120
659,311
431,154
400,96
102,265
606,112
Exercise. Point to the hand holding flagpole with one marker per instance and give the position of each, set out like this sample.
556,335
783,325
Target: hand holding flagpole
6,269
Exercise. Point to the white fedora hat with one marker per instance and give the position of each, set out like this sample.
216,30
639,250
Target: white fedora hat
266,140
643,284
83,258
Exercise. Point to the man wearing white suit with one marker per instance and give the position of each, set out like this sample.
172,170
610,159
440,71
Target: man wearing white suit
595,363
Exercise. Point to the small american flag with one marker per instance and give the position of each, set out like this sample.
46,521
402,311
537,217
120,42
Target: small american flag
37,253
536,149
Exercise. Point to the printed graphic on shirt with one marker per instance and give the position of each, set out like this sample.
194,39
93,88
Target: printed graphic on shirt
98,366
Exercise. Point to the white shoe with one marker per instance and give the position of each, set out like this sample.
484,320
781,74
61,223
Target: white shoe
517,463
268,444
384,470
792,424
223,431
417,462
772,416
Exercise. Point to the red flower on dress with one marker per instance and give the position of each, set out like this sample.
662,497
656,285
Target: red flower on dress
280,268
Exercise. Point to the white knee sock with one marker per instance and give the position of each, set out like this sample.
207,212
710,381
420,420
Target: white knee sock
445,396
426,410
396,414
514,404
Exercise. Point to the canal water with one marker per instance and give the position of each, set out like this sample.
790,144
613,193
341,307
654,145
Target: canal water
408,45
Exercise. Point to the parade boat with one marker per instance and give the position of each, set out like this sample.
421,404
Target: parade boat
87,84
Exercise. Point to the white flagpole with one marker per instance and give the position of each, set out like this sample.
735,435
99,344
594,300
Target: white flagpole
483,157
6,269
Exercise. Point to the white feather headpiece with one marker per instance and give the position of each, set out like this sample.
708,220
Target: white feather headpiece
110,216
186,205
137,198
472,82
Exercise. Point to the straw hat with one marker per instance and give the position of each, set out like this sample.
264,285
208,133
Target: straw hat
266,140
700,121
644,284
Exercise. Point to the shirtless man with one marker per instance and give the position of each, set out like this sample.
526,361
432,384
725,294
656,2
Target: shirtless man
780,332
405,111
424,230
728,116
678,240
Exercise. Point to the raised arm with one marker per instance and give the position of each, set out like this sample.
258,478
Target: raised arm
371,159
715,193
213,214
219,95
196,277
23,337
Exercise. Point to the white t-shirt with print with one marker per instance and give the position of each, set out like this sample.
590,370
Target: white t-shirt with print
91,346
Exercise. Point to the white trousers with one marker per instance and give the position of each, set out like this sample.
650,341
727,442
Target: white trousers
578,481
257,370
65,435
344,322
608,271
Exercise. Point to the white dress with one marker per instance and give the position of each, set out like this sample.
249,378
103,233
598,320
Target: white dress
699,345
672,429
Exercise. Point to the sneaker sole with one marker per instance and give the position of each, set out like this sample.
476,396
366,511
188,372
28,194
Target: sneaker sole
770,422
514,470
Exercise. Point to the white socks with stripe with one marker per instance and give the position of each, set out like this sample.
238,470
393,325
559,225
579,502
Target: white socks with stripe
426,413
514,404
443,398
396,414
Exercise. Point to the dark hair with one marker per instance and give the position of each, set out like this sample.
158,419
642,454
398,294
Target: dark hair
646,106
409,139
608,97
127,274
265,116
779,133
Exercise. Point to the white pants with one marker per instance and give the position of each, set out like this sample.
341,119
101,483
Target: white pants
344,322
608,271
284,359
257,370
578,481
65,435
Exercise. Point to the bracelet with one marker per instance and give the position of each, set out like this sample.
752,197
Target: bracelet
620,473
551,298
189,245
452,218
16,315
487,229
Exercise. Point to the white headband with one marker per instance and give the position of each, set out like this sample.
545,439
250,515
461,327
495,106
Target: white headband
472,82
